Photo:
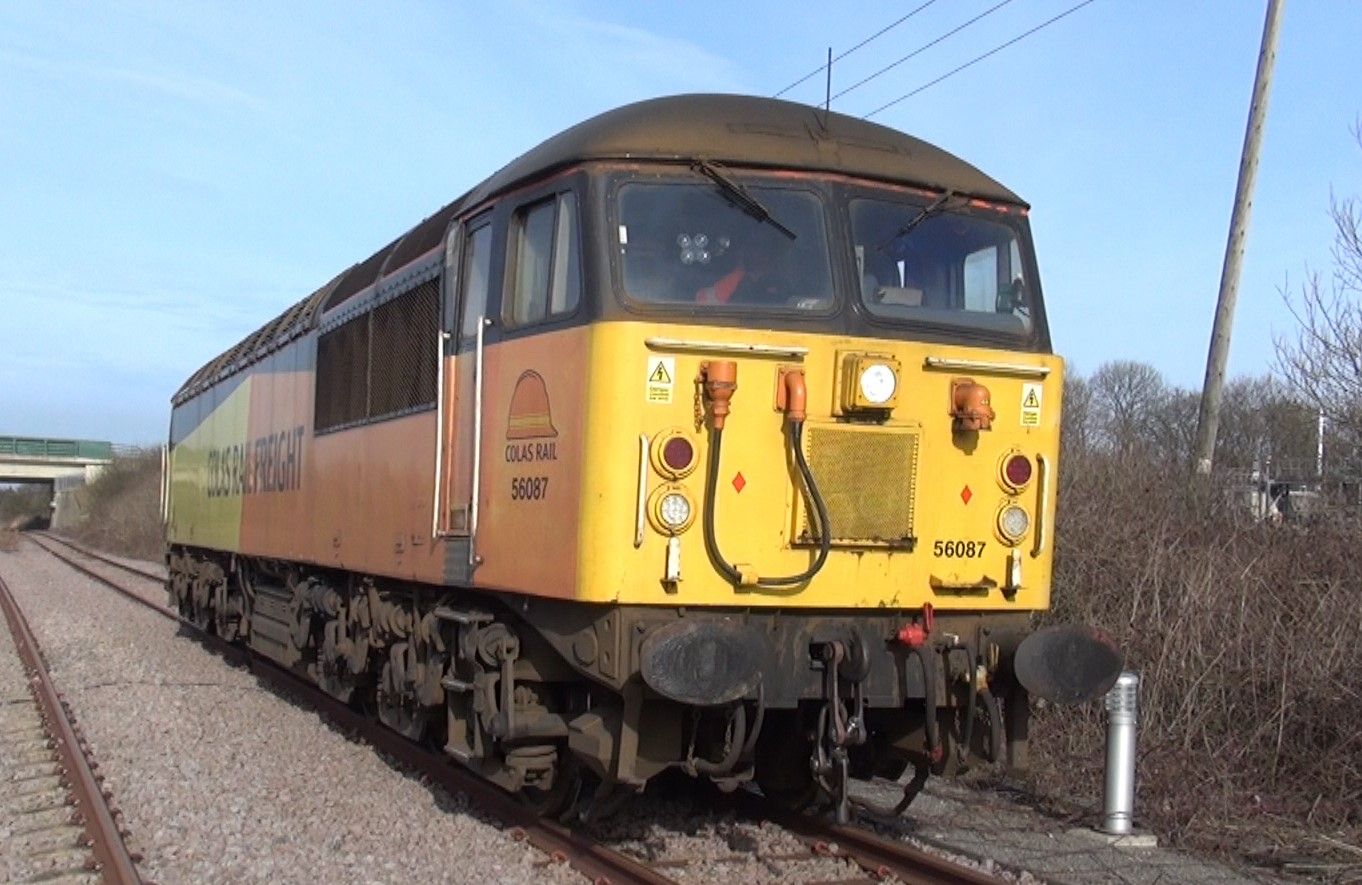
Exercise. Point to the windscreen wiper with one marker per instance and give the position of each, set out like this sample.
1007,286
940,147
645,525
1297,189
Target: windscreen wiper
935,207
739,195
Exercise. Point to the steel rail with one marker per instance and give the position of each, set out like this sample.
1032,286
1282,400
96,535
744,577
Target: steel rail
878,856
884,857
93,554
115,864
562,844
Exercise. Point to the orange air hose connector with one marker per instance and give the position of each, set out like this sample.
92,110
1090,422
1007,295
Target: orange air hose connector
721,382
796,396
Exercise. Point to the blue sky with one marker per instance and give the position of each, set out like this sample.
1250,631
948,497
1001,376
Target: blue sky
173,174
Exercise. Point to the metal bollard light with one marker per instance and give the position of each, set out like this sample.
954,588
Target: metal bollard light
1118,806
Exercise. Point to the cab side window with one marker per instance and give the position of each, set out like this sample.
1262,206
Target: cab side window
547,266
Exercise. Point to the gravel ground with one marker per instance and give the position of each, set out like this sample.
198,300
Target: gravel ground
145,565
681,842
974,822
689,843
678,835
221,779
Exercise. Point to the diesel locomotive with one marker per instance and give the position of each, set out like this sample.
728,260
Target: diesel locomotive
714,434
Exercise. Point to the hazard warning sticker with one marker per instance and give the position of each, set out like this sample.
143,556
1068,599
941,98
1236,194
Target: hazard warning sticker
661,379
1030,405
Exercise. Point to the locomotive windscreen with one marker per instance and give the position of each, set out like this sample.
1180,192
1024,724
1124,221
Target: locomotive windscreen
690,243
922,262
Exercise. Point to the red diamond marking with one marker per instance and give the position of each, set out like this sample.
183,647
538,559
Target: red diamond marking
739,482
966,494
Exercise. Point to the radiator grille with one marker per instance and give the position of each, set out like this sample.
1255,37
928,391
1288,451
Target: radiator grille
403,363
868,479
382,363
343,374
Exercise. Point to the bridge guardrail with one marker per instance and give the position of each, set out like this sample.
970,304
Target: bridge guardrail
39,447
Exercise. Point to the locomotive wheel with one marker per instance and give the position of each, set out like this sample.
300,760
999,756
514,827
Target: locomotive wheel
333,672
399,710
201,614
179,593
227,619
335,679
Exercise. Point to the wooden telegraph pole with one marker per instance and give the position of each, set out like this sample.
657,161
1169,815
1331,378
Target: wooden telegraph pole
1208,418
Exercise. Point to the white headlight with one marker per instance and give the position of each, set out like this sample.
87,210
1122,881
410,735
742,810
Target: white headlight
674,510
878,383
1013,523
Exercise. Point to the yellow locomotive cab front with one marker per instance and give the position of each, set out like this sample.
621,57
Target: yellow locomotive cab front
920,510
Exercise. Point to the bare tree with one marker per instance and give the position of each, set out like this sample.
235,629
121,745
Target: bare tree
1322,361
1127,397
1076,431
1264,425
1172,432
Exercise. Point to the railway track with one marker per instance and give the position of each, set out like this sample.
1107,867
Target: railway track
876,858
60,824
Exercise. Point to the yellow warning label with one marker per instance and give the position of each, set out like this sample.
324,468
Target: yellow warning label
660,379
1030,405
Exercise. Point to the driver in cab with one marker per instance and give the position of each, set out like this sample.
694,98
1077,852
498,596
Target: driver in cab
755,280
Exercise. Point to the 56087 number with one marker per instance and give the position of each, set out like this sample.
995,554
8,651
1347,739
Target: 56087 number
529,488
958,549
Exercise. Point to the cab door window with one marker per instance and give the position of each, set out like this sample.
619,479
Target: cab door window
476,278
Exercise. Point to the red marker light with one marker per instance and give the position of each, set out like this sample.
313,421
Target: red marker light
1017,471
678,454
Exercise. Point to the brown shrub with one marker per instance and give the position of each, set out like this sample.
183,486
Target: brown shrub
1246,637
25,506
123,507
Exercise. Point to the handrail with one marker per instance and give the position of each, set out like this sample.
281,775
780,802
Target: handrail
641,514
437,504
794,351
477,446
1042,504
963,365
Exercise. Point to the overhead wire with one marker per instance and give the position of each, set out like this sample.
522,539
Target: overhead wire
880,33
923,48
977,59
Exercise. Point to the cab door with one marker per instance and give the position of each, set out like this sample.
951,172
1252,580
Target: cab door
468,266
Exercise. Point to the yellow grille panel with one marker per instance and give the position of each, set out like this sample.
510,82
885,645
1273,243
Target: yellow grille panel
868,479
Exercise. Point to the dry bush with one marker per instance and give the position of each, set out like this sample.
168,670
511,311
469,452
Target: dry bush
1246,638
123,507
9,540
25,506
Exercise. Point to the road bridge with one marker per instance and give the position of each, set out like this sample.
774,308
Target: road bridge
62,465
35,459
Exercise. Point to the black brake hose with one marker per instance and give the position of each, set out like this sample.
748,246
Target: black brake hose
711,492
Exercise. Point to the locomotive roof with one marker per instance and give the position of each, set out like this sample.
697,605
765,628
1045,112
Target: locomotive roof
748,131
736,129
